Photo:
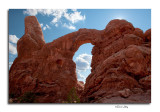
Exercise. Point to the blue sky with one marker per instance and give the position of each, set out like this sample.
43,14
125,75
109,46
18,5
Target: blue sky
56,23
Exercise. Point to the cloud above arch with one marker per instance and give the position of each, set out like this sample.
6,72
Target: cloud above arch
71,16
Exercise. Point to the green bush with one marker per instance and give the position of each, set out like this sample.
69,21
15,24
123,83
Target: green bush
11,95
72,96
28,97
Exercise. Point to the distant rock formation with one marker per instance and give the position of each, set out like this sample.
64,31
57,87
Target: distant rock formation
121,65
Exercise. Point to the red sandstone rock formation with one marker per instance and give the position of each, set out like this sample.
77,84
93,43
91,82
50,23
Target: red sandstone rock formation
121,65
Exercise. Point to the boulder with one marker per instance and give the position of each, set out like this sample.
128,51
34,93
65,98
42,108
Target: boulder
146,82
147,35
125,93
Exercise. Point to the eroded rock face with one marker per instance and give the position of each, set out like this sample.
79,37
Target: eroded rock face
121,64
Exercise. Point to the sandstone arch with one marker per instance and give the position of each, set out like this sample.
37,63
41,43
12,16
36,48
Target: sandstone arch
121,62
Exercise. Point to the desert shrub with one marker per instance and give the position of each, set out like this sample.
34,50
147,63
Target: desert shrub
72,96
28,97
11,95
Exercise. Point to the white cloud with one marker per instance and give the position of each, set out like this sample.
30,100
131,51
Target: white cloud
41,25
80,76
71,27
47,26
31,12
85,56
58,14
74,17
44,27
12,49
10,64
83,62
74,9
56,25
13,39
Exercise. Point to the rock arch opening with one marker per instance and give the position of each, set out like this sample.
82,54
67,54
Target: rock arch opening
83,59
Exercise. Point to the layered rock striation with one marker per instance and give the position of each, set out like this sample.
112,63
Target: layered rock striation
121,65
